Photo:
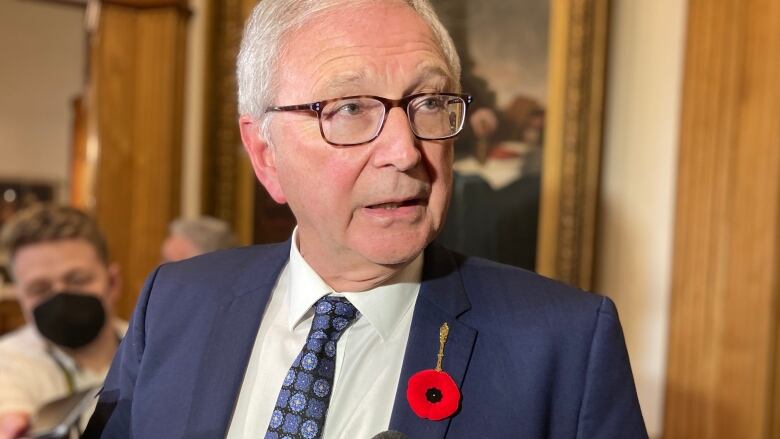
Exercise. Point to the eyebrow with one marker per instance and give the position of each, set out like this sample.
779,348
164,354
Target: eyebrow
348,81
343,81
428,73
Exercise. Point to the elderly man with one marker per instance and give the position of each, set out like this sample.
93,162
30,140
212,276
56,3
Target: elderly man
188,237
66,288
359,324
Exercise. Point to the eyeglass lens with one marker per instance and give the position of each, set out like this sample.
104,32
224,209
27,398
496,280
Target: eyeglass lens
359,120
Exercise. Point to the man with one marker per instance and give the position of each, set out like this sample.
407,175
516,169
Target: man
359,324
66,288
196,236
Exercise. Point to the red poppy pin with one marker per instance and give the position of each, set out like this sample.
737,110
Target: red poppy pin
432,393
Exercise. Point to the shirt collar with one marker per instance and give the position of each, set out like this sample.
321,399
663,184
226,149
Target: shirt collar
383,306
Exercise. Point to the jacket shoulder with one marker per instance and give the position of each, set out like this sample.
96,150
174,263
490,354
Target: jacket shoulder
514,297
237,269
236,258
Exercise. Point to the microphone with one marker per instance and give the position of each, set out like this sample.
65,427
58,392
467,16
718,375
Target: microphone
390,434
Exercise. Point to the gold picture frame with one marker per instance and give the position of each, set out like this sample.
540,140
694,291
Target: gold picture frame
571,166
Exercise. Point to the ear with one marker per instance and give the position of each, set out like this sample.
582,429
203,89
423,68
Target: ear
263,157
114,282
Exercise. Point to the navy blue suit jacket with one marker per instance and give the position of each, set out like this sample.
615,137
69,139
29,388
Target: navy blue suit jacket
533,358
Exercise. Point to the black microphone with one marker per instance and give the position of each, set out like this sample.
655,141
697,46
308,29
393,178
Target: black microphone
390,434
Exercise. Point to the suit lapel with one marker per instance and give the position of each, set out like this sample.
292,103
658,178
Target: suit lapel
442,299
232,336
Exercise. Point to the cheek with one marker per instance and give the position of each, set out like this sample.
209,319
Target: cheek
318,178
438,162
98,286
28,301
28,304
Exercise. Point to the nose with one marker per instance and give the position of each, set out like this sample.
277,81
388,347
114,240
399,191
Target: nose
396,145
59,285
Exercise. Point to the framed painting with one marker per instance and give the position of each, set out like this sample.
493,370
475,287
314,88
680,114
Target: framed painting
527,166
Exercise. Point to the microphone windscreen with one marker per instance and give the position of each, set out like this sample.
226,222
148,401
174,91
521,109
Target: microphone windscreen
390,434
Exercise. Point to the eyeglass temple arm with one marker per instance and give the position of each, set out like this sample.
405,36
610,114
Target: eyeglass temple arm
302,107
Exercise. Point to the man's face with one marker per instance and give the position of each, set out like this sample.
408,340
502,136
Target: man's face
377,204
43,269
177,247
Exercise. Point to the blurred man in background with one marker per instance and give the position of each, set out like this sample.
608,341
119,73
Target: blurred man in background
66,288
193,237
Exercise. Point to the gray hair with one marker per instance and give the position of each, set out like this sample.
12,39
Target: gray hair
272,20
207,233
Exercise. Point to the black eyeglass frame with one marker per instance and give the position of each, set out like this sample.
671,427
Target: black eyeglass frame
389,104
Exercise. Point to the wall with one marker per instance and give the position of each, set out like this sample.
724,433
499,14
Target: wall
42,53
638,183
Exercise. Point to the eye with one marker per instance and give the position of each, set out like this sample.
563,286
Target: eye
37,289
350,108
78,278
431,103
346,108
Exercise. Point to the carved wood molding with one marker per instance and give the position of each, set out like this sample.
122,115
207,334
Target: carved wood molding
573,144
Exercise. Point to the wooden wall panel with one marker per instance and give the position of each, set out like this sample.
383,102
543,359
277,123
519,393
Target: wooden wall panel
722,355
138,67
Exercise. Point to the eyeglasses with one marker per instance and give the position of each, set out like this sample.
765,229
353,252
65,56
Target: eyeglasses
355,120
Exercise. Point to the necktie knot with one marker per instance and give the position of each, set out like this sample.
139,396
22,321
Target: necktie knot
332,315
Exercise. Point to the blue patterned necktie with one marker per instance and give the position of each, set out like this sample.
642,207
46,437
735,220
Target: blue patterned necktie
303,400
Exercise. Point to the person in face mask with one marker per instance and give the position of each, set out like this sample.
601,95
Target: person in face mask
66,287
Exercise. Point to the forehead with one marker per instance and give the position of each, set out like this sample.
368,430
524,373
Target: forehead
374,47
52,258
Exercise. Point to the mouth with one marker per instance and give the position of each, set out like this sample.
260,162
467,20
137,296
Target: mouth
392,205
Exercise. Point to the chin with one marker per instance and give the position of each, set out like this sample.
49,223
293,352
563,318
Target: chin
393,250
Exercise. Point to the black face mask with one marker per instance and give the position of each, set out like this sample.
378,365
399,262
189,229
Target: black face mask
70,319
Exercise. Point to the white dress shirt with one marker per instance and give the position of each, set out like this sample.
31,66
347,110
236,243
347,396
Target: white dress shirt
369,353
33,372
